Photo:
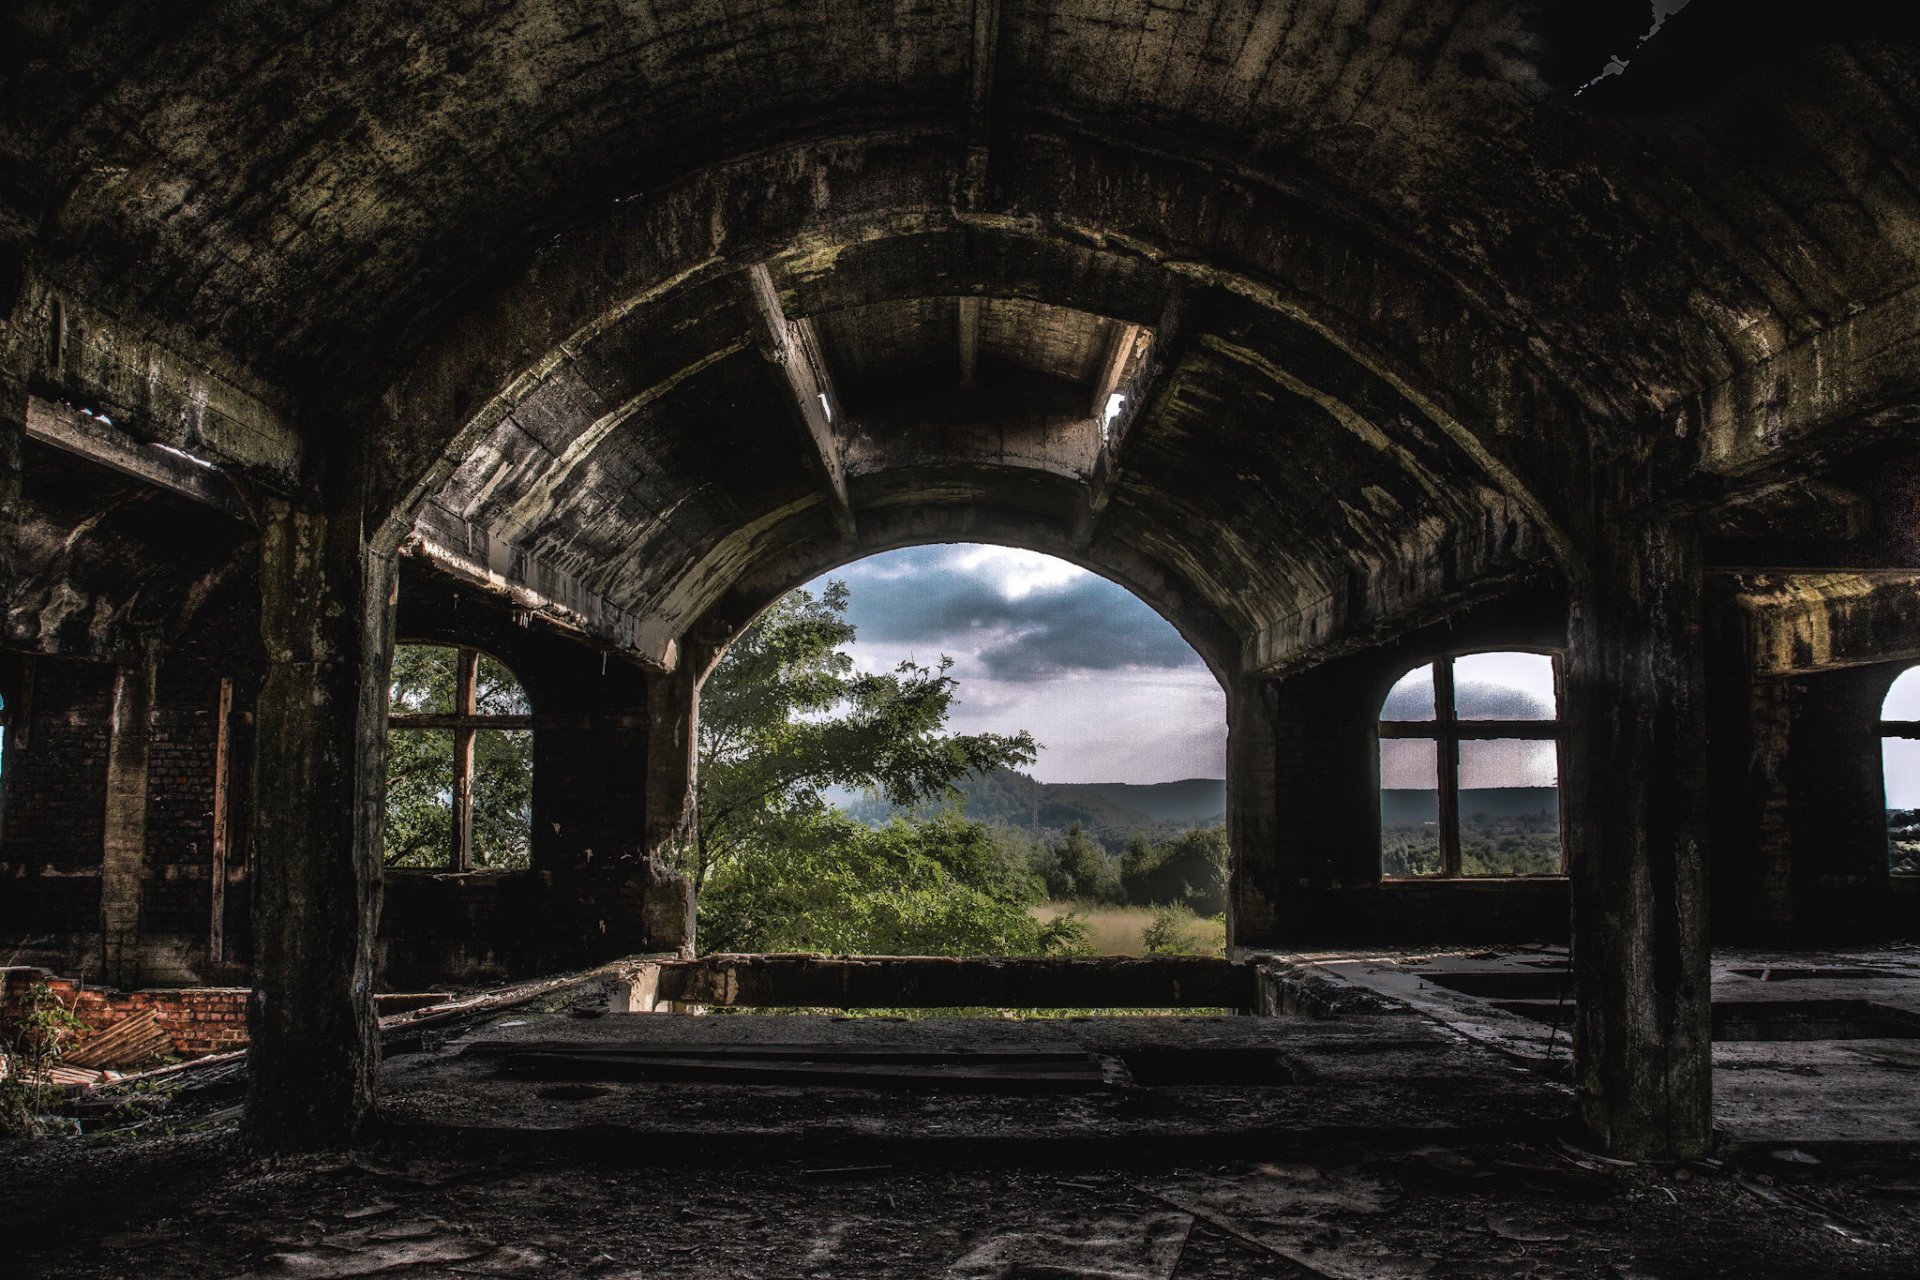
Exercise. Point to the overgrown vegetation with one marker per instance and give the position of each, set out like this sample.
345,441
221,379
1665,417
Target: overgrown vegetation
419,821
1490,845
32,1042
784,718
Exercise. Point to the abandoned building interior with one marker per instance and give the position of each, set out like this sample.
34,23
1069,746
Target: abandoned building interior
554,341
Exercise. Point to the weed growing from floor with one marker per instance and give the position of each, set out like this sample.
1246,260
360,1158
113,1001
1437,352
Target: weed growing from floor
29,1047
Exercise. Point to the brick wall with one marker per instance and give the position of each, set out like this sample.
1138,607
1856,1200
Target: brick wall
198,1020
174,896
54,786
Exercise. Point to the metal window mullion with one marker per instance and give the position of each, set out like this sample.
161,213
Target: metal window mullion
1448,744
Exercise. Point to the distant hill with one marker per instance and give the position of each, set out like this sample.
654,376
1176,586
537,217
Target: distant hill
1190,802
1419,805
1111,812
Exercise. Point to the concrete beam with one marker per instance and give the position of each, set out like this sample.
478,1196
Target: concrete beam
1121,348
969,326
986,56
1139,365
65,347
500,568
1799,621
1854,374
794,349
84,435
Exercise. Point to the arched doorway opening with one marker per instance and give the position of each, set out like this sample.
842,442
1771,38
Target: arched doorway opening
962,748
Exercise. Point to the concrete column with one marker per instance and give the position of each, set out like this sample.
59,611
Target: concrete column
319,790
673,741
1635,790
1253,840
123,854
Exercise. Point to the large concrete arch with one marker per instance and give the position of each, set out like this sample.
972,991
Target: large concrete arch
578,288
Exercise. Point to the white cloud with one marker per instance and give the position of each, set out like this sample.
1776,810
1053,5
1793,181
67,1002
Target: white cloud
1106,686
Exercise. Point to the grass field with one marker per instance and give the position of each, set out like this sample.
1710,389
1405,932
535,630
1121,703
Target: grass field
1117,930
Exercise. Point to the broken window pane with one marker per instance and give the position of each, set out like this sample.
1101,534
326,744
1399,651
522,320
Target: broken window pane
1409,806
502,798
1411,697
1503,686
423,679
1509,808
419,821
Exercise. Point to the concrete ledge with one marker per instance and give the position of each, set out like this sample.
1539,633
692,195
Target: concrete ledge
940,982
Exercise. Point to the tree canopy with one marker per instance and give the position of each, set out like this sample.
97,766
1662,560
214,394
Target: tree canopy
785,718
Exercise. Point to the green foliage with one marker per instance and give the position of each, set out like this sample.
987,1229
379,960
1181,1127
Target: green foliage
1903,841
1173,931
936,887
783,719
419,815
34,1040
1490,845
1188,870
1076,867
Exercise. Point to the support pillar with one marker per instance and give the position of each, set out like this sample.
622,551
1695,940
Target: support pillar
123,855
673,738
319,791
1252,817
1635,791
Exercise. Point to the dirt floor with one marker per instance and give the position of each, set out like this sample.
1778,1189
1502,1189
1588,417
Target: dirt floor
546,1138
197,1206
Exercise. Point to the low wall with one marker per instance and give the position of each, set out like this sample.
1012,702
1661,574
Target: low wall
941,982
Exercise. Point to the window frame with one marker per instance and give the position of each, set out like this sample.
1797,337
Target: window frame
1894,729
465,721
1447,731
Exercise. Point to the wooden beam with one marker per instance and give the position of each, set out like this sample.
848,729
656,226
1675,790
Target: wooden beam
969,309
456,721
217,877
85,436
463,705
794,349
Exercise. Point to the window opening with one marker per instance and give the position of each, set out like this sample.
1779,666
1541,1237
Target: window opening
1469,769
459,762
1900,772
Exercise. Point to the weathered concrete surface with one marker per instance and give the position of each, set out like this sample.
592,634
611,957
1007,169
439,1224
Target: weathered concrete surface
1836,1083
124,849
1634,718
932,982
319,787
1399,285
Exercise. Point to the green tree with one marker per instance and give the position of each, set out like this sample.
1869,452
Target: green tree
1081,868
1187,870
419,815
784,719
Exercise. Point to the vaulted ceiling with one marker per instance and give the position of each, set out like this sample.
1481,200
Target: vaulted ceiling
664,307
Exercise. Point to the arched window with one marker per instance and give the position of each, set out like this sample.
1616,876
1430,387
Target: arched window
459,761
1900,767
1470,769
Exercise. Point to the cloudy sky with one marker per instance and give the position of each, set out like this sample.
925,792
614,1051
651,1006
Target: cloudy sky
1486,686
1110,690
